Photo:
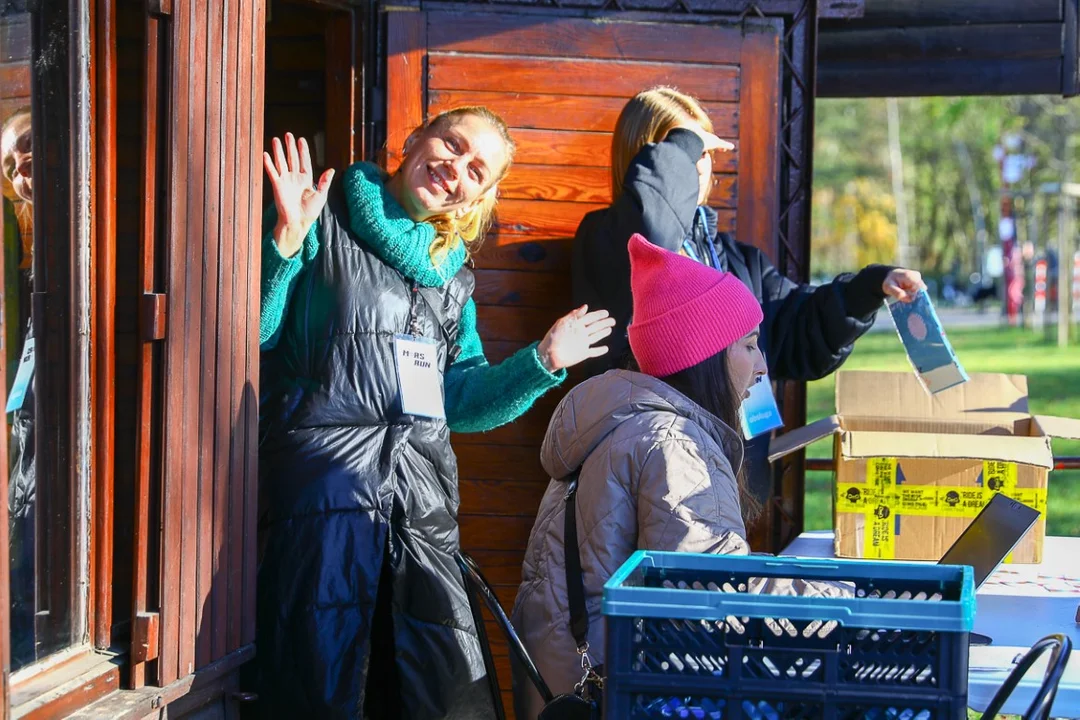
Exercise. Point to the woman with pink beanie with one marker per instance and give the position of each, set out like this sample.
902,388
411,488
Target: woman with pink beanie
655,456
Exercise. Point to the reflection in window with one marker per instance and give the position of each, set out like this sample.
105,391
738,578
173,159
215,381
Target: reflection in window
34,158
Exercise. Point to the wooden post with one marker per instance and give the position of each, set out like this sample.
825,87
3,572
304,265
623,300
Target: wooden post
104,319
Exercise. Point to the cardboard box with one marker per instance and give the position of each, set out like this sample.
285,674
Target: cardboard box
913,469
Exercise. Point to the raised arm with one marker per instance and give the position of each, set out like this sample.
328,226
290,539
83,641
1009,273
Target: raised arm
810,329
289,229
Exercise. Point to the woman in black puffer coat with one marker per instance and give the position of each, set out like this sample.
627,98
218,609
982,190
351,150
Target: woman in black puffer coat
661,177
362,611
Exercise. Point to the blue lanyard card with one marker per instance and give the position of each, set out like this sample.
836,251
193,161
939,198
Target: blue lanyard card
759,412
927,346
22,378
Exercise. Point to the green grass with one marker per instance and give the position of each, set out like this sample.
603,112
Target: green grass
1053,383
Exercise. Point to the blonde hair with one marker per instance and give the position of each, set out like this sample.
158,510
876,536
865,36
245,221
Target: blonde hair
470,228
648,118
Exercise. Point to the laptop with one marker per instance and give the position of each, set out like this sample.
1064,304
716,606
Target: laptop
992,535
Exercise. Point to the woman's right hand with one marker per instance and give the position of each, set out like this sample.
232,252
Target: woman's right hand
711,141
297,199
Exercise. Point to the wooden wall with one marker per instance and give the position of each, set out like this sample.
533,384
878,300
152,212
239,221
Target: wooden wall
314,88
188,213
951,47
560,84
210,374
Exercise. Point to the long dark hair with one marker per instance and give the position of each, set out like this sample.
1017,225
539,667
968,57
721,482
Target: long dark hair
709,385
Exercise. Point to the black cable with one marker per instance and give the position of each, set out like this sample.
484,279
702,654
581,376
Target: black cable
1044,698
476,579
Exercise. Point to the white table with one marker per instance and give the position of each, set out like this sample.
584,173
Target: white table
1018,605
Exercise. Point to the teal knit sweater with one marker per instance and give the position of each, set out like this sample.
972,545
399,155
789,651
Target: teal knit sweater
479,396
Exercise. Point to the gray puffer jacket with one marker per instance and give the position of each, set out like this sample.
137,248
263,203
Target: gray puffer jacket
657,472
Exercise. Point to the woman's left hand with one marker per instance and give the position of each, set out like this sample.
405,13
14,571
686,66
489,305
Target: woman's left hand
573,339
903,284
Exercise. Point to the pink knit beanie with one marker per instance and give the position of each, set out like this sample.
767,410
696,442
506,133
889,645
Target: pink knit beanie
684,312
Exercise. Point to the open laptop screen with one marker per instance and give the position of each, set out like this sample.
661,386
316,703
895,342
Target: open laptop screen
991,536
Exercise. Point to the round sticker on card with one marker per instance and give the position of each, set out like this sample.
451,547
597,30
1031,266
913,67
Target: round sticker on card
917,326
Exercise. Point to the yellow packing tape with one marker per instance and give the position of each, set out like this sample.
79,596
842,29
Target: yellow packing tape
880,499
881,485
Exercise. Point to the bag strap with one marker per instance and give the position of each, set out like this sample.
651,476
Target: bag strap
575,577
591,682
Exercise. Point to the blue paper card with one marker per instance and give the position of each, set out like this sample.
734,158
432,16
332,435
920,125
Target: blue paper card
22,378
759,412
927,347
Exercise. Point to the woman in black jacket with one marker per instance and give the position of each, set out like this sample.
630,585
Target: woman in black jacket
371,356
661,174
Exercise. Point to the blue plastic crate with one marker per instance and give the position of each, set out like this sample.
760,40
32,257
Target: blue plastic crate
685,640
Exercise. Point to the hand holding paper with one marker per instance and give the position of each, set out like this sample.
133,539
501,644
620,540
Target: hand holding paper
904,285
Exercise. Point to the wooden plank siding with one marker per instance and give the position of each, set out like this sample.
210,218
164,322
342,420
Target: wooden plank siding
139,178
208,243
560,83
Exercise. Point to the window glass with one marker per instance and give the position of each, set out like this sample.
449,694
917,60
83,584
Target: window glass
35,157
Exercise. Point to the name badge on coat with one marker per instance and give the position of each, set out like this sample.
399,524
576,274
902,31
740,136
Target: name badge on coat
22,378
417,361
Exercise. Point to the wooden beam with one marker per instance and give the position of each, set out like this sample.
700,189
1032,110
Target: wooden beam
152,322
577,76
882,13
253,32
72,684
949,42
502,32
104,319
209,630
758,208
926,78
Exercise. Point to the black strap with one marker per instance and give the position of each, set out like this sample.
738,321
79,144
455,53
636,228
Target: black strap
575,578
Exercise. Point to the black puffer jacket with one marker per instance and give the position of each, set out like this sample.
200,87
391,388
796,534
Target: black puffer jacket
22,478
22,492
807,332
354,492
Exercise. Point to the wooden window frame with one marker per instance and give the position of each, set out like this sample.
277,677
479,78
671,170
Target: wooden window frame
85,671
